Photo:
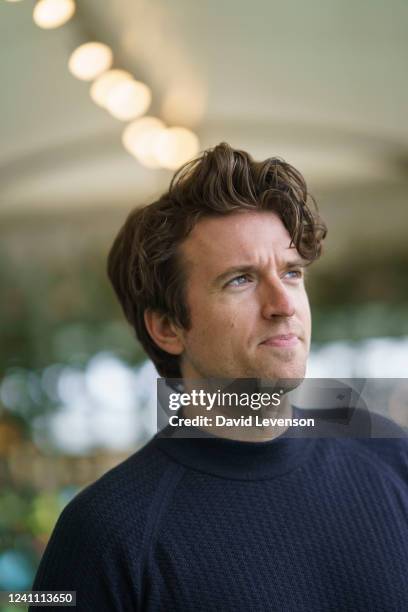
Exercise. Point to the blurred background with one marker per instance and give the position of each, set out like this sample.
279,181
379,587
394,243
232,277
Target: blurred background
322,84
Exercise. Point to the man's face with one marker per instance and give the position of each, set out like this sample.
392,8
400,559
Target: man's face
250,315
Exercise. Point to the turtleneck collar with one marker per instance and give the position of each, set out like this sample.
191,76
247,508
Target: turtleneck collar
233,459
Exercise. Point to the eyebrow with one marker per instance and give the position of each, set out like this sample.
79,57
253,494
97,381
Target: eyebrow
245,269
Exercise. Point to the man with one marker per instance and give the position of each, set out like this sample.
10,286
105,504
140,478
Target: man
211,277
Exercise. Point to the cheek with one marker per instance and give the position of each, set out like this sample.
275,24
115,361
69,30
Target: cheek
302,302
210,313
213,323
305,315
215,329
306,309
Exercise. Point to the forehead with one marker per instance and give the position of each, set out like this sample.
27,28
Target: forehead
243,235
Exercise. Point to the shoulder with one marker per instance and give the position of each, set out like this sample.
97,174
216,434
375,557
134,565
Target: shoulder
111,516
388,445
384,449
122,494
365,436
104,528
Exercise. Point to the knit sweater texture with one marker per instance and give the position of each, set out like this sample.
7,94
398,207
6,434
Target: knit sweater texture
210,524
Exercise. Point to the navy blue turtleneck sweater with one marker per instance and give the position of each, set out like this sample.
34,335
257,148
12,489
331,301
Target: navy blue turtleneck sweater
209,524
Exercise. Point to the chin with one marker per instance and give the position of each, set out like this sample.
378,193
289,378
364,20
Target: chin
282,363
288,371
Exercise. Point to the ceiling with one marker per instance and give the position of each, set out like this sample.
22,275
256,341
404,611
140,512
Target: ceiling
321,83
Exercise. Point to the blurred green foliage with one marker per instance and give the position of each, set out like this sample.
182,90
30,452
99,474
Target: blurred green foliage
64,312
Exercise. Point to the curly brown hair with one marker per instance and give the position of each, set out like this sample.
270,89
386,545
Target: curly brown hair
144,263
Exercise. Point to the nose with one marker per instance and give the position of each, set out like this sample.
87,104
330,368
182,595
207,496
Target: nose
277,300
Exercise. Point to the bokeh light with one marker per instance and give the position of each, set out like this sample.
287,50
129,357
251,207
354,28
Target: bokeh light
15,571
105,83
139,139
50,14
176,146
89,60
128,100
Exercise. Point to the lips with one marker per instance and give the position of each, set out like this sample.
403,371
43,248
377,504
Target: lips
282,340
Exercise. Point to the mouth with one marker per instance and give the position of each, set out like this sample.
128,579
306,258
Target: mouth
281,341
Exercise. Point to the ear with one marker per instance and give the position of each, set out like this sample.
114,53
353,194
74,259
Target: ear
164,332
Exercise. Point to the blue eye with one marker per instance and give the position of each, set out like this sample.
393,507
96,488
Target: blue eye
235,281
297,273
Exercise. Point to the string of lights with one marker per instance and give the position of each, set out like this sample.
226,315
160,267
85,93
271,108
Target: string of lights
146,138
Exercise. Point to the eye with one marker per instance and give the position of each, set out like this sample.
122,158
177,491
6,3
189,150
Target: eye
295,274
238,281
